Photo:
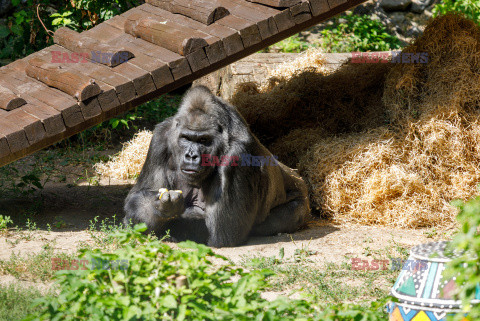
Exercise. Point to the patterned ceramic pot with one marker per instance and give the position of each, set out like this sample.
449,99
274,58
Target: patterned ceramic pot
423,292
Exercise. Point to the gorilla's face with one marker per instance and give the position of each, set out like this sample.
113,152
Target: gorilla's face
192,144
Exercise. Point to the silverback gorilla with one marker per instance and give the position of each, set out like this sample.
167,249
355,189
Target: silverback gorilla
203,199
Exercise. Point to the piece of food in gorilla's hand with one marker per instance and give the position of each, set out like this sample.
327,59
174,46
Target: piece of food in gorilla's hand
219,204
161,191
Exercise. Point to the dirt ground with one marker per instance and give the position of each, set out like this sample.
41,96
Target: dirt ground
70,209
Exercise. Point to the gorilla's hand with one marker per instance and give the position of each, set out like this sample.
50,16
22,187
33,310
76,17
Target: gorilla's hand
169,203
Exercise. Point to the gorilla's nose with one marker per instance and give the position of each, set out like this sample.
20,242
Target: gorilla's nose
192,158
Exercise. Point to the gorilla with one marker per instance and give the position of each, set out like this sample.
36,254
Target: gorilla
208,179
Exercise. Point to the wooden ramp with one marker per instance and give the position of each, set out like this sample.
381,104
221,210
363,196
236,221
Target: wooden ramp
89,77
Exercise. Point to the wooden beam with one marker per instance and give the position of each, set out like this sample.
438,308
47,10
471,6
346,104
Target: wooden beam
74,84
301,12
63,103
178,64
8,100
32,126
107,98
318,7
166,34
204,11
90,48
185,41
13,133
215,50
277,3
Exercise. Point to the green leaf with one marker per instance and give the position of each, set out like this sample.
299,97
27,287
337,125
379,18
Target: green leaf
17,29
4,31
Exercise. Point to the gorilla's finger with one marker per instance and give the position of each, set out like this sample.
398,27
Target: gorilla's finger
175,196
165,197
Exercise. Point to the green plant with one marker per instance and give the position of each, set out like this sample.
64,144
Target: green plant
357,33
466,267
13,183
24,34
4,221
156,282
15,301
114,122
469,8
292,44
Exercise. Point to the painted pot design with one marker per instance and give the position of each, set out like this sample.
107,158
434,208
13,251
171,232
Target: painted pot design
423,292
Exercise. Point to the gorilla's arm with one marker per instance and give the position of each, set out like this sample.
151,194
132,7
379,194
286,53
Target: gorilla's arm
142,203
236,198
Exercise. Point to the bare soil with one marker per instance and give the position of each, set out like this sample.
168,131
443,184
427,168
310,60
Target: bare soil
73,208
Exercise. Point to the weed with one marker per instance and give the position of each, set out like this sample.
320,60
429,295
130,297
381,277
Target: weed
469,8
357,33
465,268
4,221
432,233
16,301
162,283
33,266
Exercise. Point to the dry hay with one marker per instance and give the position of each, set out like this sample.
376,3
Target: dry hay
129,161
313,59
389,145
344,101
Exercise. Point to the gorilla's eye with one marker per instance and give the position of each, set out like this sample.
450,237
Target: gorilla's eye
204,140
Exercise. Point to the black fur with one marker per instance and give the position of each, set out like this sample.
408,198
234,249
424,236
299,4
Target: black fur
219,205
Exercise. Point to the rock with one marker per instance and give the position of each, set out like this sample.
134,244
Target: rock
397,18
413,31
418,6
395,5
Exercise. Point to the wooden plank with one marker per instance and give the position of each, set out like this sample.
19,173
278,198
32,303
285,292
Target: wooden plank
74,84
90,108
215,50
277,3
123,86
91,48
301,12
142,80
167,34
254,13
50,117
178,65
4,149
335,3
65,104
159,70
107,98
248,31
32,126
283,19
206,12
8,100
185,41
318,7
14,135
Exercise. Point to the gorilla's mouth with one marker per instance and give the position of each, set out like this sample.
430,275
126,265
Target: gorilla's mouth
189,171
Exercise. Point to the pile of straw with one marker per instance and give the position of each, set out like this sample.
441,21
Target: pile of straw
129,161
388,144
